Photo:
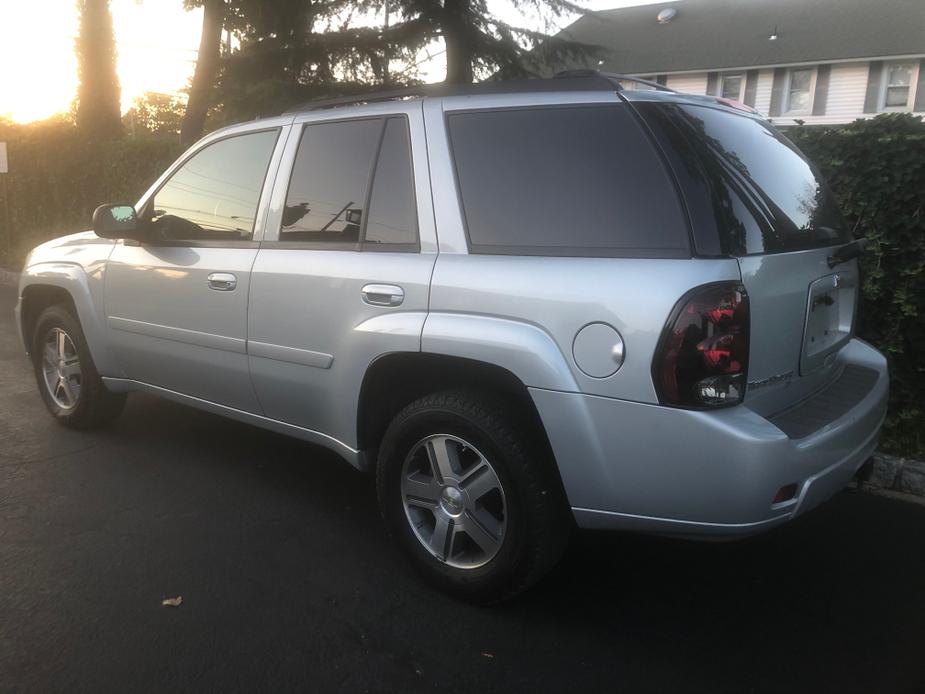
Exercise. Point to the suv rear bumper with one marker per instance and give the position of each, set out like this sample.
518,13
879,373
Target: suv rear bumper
635,466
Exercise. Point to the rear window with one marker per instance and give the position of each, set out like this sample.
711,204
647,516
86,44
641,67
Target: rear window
576,181
766,197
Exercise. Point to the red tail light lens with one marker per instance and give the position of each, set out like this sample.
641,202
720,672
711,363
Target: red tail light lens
702,356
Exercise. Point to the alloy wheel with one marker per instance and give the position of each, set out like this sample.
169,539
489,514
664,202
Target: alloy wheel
454,501
61,369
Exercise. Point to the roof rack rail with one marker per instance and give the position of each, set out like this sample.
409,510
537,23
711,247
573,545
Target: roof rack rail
367,98
592,81
613,77
569,80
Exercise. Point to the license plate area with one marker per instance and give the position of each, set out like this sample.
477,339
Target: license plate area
829,317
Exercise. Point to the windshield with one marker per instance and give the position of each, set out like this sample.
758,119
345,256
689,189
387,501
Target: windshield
767,197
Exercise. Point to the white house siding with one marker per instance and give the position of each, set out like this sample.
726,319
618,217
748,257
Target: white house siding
692,83
845,102
763,91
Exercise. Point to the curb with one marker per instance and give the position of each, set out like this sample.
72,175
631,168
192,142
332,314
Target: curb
8,278
890,473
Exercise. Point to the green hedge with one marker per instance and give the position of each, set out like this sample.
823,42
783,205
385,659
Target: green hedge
876,168
57,179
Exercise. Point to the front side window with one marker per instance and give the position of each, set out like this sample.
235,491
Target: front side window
732,86
799,91
897,85
566,181
351,183
213,196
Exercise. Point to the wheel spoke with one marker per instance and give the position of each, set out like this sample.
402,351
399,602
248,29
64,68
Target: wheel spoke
62,342
66,391
480,481
438,541
444,458
479,534
421,490
51,354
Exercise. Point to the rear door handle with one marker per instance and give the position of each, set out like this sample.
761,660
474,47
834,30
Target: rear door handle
222,281
383,295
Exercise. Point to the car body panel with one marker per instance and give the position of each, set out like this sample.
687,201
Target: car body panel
636,466
560,296
308,367
75,263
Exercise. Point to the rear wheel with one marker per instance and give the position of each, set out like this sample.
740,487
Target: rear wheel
67,378
471,498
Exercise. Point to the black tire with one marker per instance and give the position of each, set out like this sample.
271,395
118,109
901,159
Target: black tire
94,405
538,521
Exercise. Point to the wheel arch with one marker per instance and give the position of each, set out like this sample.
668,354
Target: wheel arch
395,380
47,284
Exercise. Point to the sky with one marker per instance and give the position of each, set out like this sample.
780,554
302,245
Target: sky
157,42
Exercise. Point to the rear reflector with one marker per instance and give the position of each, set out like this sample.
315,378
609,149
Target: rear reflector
785,493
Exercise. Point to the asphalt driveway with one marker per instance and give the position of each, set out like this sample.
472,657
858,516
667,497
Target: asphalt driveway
289,582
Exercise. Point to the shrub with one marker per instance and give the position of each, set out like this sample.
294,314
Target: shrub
876,169
57,178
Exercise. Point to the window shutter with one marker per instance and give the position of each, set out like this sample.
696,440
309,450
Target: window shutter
751,87
822,89
920,88
777,91
712,83
872,98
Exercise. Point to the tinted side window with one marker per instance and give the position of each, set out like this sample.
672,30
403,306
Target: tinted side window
214,195
764,196
581,180
392,215
330,178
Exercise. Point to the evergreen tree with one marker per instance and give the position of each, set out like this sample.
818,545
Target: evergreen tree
98,107
479,45
207,65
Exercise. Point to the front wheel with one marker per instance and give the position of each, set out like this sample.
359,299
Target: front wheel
67,378
470,496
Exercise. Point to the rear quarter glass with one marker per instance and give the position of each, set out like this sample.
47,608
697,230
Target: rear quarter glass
749,190
569,180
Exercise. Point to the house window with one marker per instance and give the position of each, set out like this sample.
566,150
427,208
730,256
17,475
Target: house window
898,79
800,90
733,83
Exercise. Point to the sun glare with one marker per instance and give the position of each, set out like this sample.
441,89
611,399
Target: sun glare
156,41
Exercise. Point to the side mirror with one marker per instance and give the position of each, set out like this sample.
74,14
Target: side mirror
116,222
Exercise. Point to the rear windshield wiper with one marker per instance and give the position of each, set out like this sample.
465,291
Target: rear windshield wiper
847,252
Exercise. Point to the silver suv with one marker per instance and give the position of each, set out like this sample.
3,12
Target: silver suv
527,306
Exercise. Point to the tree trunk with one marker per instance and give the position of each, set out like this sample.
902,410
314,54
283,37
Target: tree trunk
99,112
213,18
456,32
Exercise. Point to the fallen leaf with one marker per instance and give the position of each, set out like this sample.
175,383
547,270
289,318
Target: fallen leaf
172,602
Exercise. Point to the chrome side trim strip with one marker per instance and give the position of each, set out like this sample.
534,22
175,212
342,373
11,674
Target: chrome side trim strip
166,332
348,453
293,355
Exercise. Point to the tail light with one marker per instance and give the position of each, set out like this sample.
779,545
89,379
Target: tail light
702,356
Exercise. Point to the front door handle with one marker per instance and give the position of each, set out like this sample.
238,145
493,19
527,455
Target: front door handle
383,295
222,281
